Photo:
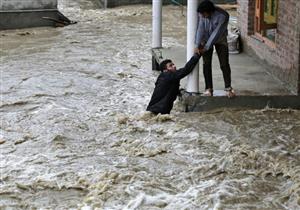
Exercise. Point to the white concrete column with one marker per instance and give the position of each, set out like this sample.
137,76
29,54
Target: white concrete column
156,23
192,18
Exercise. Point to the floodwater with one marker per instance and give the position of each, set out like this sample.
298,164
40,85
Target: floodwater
74,133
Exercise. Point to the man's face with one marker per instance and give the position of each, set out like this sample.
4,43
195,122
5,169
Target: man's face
171,67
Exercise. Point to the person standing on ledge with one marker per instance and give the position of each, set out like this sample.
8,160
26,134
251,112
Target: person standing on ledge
167,84
212,31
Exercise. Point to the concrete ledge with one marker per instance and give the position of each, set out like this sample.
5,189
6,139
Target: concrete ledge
198,103
29,18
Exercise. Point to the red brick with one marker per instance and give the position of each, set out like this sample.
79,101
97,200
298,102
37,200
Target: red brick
284,60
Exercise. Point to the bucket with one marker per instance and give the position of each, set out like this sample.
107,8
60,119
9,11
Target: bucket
233,40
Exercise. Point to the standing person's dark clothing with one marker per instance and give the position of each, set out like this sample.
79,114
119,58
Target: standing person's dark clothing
212,31
167,87
223,54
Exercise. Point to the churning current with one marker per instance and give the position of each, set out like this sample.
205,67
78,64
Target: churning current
74,133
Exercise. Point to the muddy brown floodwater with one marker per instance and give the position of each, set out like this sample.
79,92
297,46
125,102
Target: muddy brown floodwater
74,133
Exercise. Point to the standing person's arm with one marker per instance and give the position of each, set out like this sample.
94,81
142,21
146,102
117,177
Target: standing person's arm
188,68
200,31
216,34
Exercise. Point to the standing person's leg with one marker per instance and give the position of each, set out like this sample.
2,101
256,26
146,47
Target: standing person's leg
207,71
223,55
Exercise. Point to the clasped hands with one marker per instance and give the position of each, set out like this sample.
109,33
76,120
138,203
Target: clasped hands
199,50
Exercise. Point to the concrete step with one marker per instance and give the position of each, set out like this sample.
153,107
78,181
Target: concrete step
198,102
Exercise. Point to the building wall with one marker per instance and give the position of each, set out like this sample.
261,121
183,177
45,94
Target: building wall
283,59
6,5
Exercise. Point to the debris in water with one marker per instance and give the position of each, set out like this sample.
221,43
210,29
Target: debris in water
24,33
2,141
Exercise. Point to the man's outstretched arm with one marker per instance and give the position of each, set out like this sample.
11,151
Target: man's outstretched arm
188,68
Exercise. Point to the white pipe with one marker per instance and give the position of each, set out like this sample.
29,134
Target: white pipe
192,18
156,23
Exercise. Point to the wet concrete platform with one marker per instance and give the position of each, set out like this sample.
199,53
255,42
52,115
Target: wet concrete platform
254,86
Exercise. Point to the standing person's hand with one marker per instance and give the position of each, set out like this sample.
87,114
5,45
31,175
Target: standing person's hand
201,50
197,51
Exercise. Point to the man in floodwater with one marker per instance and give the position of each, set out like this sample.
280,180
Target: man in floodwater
167,85
212,31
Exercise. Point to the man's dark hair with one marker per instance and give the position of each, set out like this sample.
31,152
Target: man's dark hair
206,6
163,64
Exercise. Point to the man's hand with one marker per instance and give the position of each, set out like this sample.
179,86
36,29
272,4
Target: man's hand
202,50
199,50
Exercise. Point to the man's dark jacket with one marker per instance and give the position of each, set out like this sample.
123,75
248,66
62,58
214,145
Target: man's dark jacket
167,87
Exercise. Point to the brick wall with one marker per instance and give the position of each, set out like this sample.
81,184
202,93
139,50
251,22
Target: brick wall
283,59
